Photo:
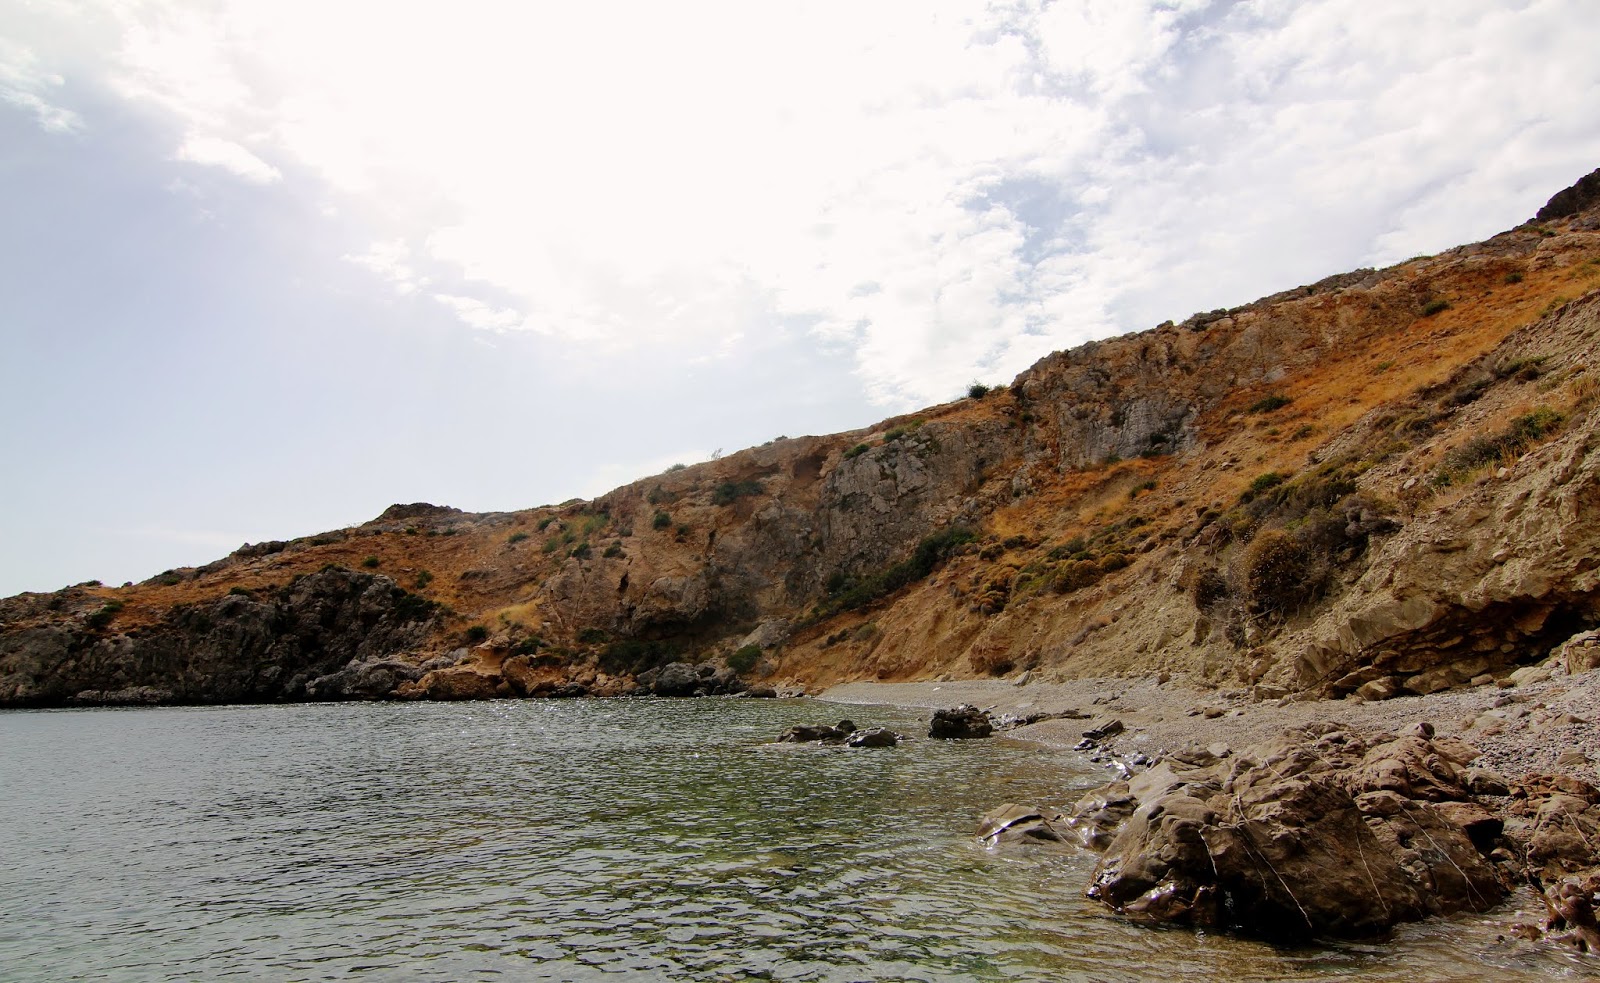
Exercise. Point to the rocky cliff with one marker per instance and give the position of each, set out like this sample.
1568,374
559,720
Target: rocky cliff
1379,483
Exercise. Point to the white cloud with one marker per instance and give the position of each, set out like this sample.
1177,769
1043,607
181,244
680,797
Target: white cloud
216,152
949,188
23,83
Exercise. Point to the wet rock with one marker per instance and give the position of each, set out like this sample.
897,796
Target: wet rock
676,679
960,723
1095,818
818,733
1325,836
1100,732
872,737
1012,825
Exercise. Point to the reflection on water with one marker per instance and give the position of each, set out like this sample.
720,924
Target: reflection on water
575,840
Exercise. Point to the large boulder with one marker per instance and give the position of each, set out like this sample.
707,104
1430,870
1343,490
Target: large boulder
957,723
1316,834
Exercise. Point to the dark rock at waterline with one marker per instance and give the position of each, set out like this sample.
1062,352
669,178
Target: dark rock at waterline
684,679
264,646
844,732
1315,834
872,737
133,696
362,680
824,733
958,723
1099,732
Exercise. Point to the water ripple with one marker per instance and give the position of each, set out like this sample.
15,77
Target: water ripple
569,841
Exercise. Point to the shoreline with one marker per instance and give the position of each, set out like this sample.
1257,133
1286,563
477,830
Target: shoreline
1537,726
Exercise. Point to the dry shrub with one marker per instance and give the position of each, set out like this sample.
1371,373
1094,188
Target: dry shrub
1277,573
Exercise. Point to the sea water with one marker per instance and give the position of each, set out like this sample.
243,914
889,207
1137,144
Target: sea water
580,840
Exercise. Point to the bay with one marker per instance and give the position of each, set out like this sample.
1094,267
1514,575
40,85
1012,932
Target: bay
578,840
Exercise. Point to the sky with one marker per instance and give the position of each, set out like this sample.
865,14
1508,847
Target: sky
269,266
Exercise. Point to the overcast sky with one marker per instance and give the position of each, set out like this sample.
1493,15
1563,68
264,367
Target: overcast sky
268,266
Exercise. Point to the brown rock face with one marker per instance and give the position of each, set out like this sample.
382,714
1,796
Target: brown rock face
1314,835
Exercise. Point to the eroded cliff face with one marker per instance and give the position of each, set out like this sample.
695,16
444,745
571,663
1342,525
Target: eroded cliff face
1383,482
247,647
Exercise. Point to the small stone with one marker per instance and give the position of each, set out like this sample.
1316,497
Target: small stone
1572,760
1423,730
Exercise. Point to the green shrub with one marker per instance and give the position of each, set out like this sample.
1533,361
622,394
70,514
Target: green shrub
424,578
371,562
516,537
1433,307
661,521
744,659
581,551
239,592
849,593
476,634
1263,482
674,468
613,551
544,523
730,491
856,451
103,617
593,636
1514,277
1268,403
977,390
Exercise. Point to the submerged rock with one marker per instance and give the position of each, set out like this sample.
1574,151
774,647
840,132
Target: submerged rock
1013,824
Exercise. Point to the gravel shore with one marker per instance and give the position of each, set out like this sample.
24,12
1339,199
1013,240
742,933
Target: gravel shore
1548,725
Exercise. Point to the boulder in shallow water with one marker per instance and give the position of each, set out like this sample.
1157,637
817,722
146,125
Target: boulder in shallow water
1013,824
872,737
1314,834
959,723
818,733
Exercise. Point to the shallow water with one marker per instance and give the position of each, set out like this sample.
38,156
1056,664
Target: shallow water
577,840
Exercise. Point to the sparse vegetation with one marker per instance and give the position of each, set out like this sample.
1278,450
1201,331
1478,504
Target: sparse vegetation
1262,483
848,593
731,491
1268,403
516,537
744,659
424,578
977,390
581,551
661,521
1523,434
104,615
476,634
1514,276
371,563
675,468
613,551
856,451
1435,306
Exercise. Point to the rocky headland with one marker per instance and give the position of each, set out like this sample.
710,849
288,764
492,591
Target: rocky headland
1309,511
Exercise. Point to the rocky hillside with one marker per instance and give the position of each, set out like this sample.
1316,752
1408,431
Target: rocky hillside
1383,482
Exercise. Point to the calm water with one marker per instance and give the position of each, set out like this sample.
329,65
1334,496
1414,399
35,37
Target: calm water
578,840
